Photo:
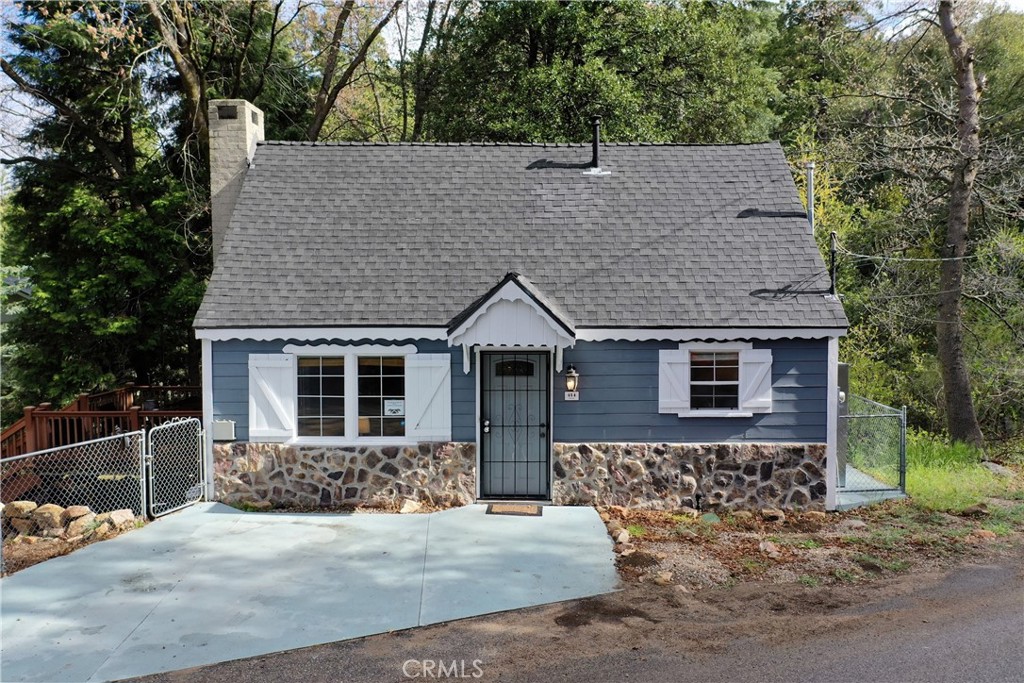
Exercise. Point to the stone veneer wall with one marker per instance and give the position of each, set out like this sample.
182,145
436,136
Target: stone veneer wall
655,476
439,473
669,476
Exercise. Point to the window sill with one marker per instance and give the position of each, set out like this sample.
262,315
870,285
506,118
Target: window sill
716,413
398,441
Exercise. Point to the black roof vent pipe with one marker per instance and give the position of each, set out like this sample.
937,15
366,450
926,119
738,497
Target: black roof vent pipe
595,160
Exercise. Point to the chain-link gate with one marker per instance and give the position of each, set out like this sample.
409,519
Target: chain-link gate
174,463
872,448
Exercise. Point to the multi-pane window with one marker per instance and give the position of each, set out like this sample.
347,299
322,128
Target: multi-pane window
381,396
321,394
714,379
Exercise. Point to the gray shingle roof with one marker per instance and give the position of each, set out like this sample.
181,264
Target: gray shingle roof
409,234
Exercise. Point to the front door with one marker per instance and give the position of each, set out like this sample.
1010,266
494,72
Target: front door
515,414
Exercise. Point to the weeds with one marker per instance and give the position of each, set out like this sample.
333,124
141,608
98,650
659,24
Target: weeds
636,530
809,581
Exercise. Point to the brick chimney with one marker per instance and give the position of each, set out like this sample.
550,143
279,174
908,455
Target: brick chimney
235,128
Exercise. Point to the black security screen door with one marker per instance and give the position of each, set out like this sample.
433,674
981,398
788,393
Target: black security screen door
515,414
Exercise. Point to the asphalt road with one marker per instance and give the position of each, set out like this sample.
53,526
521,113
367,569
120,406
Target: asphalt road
967,625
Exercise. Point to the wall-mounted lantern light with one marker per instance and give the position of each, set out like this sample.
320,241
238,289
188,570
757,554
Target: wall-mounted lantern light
572,378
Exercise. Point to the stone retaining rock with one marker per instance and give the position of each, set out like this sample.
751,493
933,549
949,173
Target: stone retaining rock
74,512
48,516
19,509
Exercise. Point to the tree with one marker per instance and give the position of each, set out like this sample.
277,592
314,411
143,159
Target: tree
536,71
960,414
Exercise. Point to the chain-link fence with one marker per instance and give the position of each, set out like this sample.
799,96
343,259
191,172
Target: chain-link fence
174,458
872,447
103,474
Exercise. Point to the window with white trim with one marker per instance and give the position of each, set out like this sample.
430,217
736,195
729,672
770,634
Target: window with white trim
715,379
332,393
321,396
381,396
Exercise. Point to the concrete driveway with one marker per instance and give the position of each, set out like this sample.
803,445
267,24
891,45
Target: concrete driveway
211,584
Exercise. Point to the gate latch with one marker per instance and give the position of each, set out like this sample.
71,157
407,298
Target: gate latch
487,426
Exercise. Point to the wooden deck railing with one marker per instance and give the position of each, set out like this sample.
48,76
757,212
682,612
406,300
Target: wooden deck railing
43,426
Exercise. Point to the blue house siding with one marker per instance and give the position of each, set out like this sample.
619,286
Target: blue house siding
618,394
231,382
619,397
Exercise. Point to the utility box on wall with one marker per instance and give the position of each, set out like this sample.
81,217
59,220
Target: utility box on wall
223,430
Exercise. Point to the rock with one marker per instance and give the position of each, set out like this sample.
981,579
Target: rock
998,469
48,516
79,526
260,505
661,556
23,525
979,510
121,518
614,526
770,549
605,517
710,518
74,512
680,589
19,509
626,550
689,512
663,578
816,515
742,515
853,525
52,532
621,536
410,506
101,531
773,515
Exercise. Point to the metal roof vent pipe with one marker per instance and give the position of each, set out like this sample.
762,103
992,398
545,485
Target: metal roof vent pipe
595,159
810,194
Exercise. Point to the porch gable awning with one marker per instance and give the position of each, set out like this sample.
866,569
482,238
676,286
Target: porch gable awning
512,313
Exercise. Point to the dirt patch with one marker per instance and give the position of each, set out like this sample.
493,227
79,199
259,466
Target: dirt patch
586,612
20,553
808,548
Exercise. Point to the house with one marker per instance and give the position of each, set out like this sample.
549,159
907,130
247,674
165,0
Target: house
635,324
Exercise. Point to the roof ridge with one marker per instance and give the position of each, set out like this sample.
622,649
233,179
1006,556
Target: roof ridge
357,143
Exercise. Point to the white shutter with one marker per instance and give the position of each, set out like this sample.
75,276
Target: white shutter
673,381
271,396
756,380
428,396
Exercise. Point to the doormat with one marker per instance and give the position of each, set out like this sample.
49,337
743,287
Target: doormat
514,509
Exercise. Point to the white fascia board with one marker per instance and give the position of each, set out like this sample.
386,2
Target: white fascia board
343,349
685,334
317,333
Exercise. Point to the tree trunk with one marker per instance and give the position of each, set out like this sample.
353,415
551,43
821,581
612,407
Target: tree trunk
961,418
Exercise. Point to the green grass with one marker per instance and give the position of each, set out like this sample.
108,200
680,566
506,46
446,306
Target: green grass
844,576
947,476
809,544
636,530
809,581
